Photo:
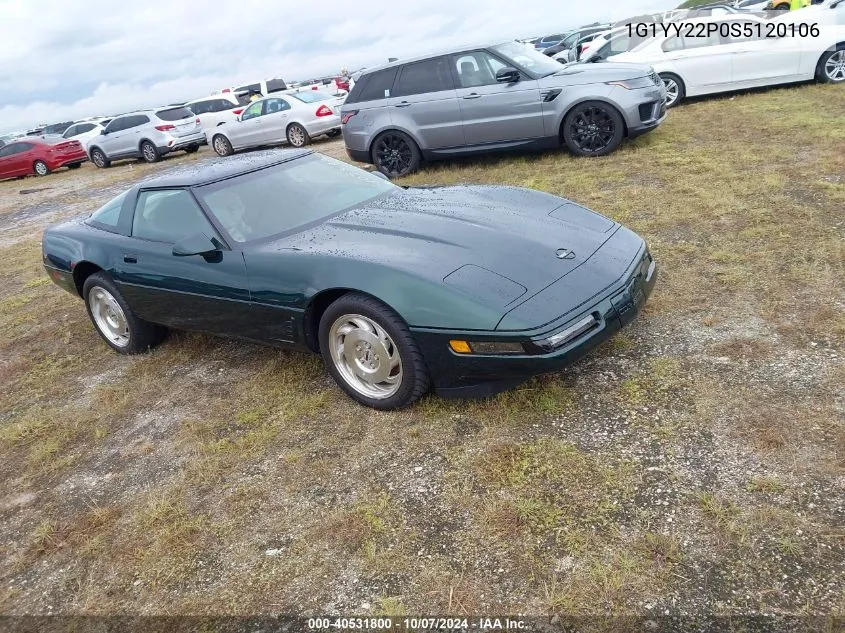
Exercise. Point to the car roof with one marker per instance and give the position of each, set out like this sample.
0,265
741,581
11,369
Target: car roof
438,53
217,169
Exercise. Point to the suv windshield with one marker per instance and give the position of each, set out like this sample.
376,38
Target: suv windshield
528,59
289,196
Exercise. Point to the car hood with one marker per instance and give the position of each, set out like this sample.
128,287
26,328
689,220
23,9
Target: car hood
577,74
496,244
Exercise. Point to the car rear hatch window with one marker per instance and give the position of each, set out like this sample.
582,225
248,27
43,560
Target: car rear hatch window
174,114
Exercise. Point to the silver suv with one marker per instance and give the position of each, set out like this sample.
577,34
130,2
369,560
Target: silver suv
506,96
147,134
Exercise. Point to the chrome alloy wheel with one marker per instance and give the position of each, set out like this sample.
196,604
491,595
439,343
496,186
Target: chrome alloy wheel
149,153
41,168
672,90
296,136
834,67
365,356
108,316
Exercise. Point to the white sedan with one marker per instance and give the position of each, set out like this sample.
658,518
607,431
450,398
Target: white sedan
294,118
734,57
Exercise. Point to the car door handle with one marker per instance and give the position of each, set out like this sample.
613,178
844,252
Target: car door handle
403,104
473,95
130,259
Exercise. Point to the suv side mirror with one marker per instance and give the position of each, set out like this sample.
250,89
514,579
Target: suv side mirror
197,244
507,75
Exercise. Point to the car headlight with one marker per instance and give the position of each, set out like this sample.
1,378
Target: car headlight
575,330
633,84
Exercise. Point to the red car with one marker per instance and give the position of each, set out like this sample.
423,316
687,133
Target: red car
39,156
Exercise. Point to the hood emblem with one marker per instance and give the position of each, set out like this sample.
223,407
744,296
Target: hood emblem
564,253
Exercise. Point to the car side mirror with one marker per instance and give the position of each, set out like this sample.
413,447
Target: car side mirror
507,75
197,244
103,132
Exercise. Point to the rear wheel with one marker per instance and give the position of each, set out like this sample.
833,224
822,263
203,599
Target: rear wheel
191,149
593,128
675,89
395,154
221,146
371,354
99,158
40,168
114,319
831,67
149,152
74,166
298,135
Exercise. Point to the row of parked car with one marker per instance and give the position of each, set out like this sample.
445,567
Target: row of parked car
512,96
230,120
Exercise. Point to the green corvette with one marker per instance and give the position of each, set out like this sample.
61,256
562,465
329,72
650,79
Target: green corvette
466,289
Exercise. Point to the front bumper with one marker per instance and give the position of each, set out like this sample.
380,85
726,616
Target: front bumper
645,108
474,375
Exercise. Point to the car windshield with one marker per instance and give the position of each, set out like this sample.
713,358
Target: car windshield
289,196
311,96
528,59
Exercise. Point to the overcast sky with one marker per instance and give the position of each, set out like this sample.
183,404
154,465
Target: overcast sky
62,60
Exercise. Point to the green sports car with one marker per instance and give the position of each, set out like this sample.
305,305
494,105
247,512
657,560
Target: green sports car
466,289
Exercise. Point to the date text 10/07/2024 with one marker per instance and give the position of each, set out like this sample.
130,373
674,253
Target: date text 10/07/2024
417,624
728,29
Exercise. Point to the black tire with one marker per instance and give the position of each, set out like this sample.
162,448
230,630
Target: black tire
297,135
593,128
414,379
142,334
149,152
333,133
395,154
835,73
98,157
191,149
40,168
74,166
222,146
680,89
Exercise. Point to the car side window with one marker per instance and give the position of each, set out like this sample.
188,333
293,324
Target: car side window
701,42
253,111
116,125
84,127
135,121
476,69
271,106
221,105
109,214
249,88
71,131
746,32
200,107
431,75
168,215
673,44
8,150
375,86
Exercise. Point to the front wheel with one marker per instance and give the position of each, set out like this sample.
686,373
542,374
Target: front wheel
675,90
40,168
149,152
370,352
222,146
593,128
99,158
114,319
831,68
298,135
395,154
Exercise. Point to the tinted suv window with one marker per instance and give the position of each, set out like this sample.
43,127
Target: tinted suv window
174,114
71,131
84,127
476,69
118,124
276,84
377,85
168,216
200,107
249,88
135,121
431,75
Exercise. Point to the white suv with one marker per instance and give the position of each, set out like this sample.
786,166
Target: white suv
147,134
218,109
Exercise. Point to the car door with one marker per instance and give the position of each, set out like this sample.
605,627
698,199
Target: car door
494,112
704,63
274,120
248,129
425,102
760,61
195,292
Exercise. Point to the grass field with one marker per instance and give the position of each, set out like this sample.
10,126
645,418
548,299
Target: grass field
693,464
